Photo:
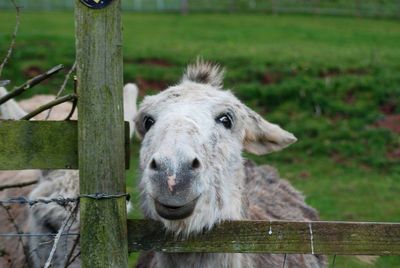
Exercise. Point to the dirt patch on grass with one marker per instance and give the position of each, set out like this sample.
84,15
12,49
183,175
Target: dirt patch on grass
394,154
304,175
359,71
388,107
269,78
32,71
339,159
391,122
146,85
349,97
329,73
150,61
337,72
155,62
338,117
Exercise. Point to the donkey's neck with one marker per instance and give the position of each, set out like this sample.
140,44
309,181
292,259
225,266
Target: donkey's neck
228,204
230,201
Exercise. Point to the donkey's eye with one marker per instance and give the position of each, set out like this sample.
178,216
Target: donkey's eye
225,120
148,122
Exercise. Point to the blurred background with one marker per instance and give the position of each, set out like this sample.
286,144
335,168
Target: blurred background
326,70
375,8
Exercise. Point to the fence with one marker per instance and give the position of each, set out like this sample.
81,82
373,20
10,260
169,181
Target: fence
367,8
86,144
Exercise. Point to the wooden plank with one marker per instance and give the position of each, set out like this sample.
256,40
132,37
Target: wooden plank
342,238
101,140
38,145
43,145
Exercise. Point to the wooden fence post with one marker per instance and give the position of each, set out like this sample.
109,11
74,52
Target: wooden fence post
358,11
101,135
184,7
317,7
232,6
274,8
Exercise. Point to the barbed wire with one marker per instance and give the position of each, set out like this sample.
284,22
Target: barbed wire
62,201
23,200
99,196
36,234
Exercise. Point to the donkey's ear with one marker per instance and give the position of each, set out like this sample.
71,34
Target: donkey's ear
262,137
130,110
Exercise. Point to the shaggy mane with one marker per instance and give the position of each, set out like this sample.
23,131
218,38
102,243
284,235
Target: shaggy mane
204,72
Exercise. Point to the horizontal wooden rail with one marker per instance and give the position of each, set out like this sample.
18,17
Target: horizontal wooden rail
342,238
38,145
41,145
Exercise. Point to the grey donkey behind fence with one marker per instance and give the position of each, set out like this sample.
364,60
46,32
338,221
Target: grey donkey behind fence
193,175
39,219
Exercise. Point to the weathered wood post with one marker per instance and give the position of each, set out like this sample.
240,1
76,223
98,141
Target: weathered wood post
184,7
358,8
101,134
317,7
274,8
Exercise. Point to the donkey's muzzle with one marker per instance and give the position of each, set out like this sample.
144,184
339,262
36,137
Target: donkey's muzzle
175,212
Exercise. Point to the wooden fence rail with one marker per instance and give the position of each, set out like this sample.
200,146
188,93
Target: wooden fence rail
38,145
42,145
342,238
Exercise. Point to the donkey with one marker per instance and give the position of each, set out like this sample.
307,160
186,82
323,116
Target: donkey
194,176
45,218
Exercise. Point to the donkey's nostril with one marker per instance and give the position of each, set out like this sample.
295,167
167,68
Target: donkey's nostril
153,164
196,163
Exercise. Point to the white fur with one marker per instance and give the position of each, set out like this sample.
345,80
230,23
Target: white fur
188,125
10,109
185,127
130,96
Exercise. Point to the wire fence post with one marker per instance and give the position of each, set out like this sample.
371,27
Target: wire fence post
101,135
184,7
232,6
160,5
274,8
398,9
317,7
358,11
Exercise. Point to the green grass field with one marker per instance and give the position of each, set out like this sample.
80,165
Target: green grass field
333,82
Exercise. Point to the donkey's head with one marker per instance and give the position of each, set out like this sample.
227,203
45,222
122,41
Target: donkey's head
193,135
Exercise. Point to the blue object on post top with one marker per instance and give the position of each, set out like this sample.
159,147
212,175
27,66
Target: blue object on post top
96,4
